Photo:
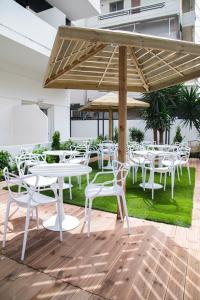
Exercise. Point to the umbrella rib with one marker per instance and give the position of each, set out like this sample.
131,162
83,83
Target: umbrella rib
136,63
108,64
91,52
167,64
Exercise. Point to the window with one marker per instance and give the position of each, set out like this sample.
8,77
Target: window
117,5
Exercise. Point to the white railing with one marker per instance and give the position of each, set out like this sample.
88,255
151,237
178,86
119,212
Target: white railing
131,11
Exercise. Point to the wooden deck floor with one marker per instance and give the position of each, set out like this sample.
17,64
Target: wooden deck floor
157,261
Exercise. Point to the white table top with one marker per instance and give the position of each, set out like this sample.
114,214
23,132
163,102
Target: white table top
162,146
60,170
61,152
154,152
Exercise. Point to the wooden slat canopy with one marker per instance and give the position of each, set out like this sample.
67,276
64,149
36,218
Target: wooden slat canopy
85,58
110,101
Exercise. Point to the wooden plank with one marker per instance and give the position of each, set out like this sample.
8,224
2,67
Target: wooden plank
91,86
128,39
141,74
192,286
176,285
175,80
84,57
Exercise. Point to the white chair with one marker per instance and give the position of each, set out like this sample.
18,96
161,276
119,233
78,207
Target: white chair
150,165
183,160
21,162
114,187
29,199
43,181
106,149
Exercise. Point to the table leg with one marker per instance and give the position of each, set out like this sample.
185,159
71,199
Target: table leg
151,184
68,222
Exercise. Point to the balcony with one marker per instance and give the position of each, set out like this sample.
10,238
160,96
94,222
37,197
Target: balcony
37,35
132,15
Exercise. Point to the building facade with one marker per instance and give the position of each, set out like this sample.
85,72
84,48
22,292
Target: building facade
29,114
175,19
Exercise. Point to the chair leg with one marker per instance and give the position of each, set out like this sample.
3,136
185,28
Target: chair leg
133,174
86,210
6,222
120,207
25,232
80,182
70,188
60,220
89,216
188,170
178,175
126,212
136,172
165,180
152,191
144,177
160,177
37,217
172,184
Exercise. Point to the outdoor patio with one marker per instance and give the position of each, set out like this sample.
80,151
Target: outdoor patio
156,261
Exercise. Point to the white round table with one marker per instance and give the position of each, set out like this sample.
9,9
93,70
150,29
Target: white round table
157,153
60,171
61,153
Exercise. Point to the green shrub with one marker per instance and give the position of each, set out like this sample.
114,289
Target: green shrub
56,141
40,150
67,145
4,159
136,135
178,136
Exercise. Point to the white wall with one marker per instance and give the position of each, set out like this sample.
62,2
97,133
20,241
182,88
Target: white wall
53,16
15,88
89,129
30,125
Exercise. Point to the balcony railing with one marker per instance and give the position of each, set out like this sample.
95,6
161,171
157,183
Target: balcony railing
131,11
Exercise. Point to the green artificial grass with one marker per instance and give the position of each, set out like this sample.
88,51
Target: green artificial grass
177,211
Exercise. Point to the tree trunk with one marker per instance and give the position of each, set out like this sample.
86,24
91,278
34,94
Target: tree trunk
161,136
155,136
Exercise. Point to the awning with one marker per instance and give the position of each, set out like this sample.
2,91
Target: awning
85,58
110,101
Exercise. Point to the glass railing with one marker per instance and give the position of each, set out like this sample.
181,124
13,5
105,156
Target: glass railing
130,11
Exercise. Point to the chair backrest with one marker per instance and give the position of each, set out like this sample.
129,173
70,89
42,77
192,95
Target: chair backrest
120,171
21,161
19,182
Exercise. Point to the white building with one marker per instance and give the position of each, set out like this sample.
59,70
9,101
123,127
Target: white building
177,19
30,114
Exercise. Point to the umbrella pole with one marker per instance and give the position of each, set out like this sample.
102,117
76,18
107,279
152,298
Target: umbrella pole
122,109
110,125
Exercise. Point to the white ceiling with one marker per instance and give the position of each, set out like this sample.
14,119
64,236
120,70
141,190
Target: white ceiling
77,9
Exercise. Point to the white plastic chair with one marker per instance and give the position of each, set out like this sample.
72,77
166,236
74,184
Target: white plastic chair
29,199
106,149
114,187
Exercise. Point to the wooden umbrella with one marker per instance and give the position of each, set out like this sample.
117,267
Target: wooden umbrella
99,59
109,103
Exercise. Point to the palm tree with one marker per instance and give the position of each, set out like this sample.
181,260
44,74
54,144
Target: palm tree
189,107
162,110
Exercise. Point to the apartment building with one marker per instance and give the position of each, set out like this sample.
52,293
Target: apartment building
28,113
176,19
